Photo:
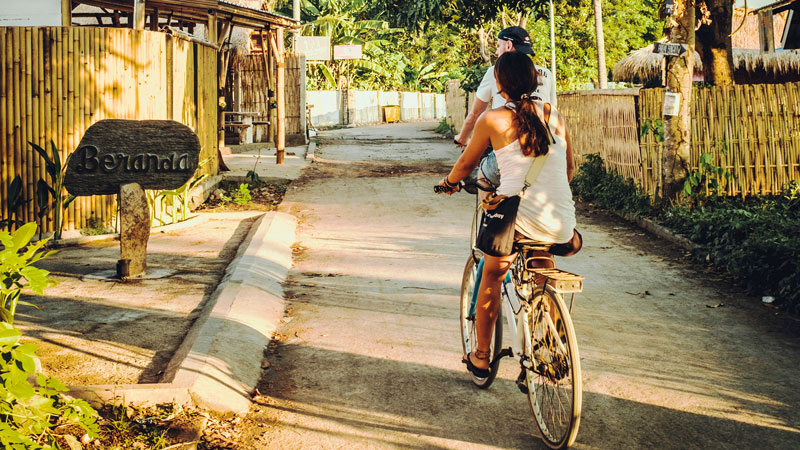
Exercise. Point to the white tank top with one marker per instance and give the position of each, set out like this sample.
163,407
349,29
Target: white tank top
546,209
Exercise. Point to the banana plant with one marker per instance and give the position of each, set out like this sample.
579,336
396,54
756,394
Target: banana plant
45,191
180,197
17,271
15,200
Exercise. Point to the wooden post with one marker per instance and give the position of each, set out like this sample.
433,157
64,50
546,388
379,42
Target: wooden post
66,13
138,15
766,35
280,95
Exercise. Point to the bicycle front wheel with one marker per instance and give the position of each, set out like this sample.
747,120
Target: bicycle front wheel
469,340
554,380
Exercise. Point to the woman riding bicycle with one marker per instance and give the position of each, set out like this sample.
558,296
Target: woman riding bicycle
518,131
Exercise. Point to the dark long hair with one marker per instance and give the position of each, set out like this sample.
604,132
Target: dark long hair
517,77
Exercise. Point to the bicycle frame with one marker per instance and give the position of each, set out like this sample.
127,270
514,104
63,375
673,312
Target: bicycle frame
515,312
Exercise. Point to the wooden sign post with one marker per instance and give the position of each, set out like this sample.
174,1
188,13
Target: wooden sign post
126,157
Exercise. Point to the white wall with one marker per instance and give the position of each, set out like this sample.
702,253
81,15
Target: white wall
366,107
30,13
326,107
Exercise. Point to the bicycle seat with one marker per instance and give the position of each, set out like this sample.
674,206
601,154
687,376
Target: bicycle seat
531,244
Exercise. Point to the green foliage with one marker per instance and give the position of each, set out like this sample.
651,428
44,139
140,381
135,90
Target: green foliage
242,196
755,240
16,269
654,125
15,200
445,129
177,200
44,191
29,412
593,183
95,227
472,77
705,182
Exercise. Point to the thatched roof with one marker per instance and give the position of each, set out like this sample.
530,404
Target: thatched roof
641,66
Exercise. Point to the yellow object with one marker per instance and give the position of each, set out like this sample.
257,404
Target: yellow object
391,114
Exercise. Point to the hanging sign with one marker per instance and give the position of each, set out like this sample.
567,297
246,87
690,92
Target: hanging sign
669,48
346,52
316,48
668,8
672,103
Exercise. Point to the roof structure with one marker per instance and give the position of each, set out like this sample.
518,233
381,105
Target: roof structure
197,11
642,66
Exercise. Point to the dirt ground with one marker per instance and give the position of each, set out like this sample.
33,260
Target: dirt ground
92,329
673,356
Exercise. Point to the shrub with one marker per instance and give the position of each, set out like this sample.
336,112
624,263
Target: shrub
30,413
593,183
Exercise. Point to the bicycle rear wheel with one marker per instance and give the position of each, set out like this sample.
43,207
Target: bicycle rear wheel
468,336
554,380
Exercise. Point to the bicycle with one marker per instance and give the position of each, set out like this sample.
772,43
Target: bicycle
543,337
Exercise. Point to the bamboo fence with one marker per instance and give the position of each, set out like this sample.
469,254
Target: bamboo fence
256,83
752,131
57,81
604,122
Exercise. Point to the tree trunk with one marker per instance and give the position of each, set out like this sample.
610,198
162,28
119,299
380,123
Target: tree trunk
483,49
602,73
714,42
677,129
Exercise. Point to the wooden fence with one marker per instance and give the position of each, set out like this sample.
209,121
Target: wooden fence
57,81
752,131
256,83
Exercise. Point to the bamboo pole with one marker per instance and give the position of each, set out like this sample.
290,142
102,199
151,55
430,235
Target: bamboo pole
5,101
29,213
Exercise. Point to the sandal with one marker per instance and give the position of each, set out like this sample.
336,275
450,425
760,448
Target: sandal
478,372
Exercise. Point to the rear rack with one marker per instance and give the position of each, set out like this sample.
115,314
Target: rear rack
560,280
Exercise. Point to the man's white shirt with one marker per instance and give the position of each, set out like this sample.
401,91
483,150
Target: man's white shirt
487,90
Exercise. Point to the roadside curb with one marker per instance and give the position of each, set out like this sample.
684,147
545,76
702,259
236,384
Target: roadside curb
658,230
219,362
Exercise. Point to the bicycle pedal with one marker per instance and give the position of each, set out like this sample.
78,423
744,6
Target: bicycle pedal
523,387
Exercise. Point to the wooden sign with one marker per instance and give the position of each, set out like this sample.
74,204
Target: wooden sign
669,48
156,154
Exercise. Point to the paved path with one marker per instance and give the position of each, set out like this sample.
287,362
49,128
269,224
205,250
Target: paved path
369,356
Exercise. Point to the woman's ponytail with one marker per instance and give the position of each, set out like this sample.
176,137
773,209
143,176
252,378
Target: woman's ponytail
517,77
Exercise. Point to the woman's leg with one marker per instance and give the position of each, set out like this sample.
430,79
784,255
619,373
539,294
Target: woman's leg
488,305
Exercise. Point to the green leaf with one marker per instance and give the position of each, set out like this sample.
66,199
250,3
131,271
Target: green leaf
687,188
9,337
56,158
67,202
23,235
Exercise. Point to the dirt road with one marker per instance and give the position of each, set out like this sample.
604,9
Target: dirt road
370,355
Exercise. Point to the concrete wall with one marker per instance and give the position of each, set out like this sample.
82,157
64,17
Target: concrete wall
359,107
326,107
366,107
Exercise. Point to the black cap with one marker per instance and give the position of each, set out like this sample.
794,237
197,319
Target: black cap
519,37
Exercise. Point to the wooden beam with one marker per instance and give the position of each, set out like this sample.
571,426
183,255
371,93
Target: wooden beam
138,14
280,96
766,34
211,28
154,20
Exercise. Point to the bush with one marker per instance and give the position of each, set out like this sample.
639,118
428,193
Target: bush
754,240
30,413
593,183
445,129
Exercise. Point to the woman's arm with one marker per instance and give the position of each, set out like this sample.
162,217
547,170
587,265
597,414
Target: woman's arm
472,154
561,130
